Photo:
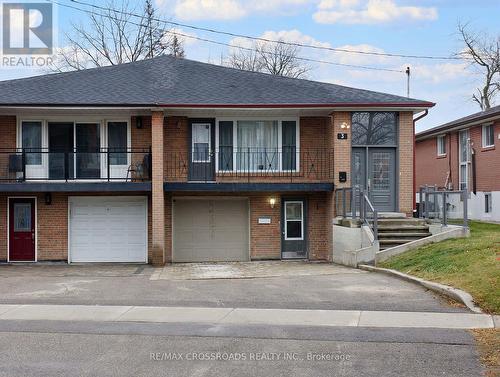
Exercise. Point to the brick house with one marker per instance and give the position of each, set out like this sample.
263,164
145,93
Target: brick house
463,154
172,160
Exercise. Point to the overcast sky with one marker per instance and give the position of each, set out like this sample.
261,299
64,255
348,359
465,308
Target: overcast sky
410,27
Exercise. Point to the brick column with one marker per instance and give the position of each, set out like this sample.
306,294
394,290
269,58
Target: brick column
341,148
157,194
406,162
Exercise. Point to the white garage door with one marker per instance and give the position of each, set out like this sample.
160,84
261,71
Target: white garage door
108,229
211,230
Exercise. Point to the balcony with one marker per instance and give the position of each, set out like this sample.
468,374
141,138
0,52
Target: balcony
40,165
249,166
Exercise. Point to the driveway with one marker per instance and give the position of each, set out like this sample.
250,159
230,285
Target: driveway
295,285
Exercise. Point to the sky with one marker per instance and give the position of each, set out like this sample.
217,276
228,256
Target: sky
407,27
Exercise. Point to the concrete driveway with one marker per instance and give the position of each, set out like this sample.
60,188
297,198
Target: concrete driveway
294,285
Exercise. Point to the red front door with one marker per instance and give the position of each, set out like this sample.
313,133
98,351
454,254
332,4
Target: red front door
21,229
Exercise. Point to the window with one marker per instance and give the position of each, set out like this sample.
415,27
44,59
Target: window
22,217
32,141
464,155
289,145
201,142
117,143
257,147
226,145
487,203
374,128
294,218
488,136
441,145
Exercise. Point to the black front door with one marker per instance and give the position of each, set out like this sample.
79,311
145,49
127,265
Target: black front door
374,171
202,150
293,229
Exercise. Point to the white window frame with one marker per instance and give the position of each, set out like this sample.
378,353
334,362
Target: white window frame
464,163
209,141
301,220
484,135
42,172
441,142
280,121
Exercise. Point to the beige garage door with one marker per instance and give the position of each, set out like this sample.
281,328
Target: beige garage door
213,230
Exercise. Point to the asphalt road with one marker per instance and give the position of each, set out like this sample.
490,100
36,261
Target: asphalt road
131,349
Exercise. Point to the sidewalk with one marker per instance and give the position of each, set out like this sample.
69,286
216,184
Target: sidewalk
334,318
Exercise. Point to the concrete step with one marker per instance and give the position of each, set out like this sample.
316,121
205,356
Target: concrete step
398,234
406,228
393,241
406,221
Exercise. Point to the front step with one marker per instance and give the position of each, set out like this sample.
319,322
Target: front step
398,231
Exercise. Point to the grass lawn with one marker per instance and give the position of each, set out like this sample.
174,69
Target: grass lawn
472,264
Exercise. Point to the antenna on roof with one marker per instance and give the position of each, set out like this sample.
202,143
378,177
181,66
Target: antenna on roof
407,82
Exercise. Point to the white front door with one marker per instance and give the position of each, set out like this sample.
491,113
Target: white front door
108,229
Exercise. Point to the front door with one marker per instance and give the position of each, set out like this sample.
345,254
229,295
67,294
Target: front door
22,229
374,171
202,147
293,229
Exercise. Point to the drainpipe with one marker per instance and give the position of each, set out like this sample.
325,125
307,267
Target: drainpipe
414,160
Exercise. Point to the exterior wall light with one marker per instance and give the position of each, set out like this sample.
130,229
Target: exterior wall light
272,202
345,125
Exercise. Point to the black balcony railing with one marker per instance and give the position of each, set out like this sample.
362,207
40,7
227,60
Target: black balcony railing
250,164
30,164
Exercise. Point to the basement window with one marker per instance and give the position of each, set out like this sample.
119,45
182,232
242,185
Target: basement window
487,203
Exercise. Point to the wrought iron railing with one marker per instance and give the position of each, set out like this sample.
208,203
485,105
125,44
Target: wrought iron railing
440,205
30,164
250,164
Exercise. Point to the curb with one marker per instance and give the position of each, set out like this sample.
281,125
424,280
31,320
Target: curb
445,290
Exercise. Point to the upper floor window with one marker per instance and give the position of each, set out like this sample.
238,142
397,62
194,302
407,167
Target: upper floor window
374,128
488,135
257,145
441,145
32,141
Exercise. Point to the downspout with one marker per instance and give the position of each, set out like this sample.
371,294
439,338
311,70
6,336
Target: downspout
414,159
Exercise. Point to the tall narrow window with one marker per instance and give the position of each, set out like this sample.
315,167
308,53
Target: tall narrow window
441,145
32,142
488,136
88,158
464,155
225,145
289,145
487,203
117,143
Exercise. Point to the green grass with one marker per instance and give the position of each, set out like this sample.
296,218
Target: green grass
472,264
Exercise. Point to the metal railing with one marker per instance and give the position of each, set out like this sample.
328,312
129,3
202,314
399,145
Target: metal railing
250,164
30,164
440,205
354,203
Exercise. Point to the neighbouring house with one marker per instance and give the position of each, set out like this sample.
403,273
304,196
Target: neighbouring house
463,154
172,160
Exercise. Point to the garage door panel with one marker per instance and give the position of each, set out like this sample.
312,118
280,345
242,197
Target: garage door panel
108,229
210,230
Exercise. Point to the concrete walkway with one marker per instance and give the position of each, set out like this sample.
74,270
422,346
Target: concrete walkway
245,316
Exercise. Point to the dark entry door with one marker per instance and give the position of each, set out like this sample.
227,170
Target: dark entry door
21,229
374,170
293,229
202,148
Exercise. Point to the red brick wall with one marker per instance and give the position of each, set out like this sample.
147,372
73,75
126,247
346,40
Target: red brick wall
7,140
433,170
406,140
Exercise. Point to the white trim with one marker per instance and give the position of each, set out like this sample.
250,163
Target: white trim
146,216
8,227
280,120
483,136
285,202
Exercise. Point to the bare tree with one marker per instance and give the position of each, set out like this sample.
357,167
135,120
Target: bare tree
115,37
276,58
484,53
176,49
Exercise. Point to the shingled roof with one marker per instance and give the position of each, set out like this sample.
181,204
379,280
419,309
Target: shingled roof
174,82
